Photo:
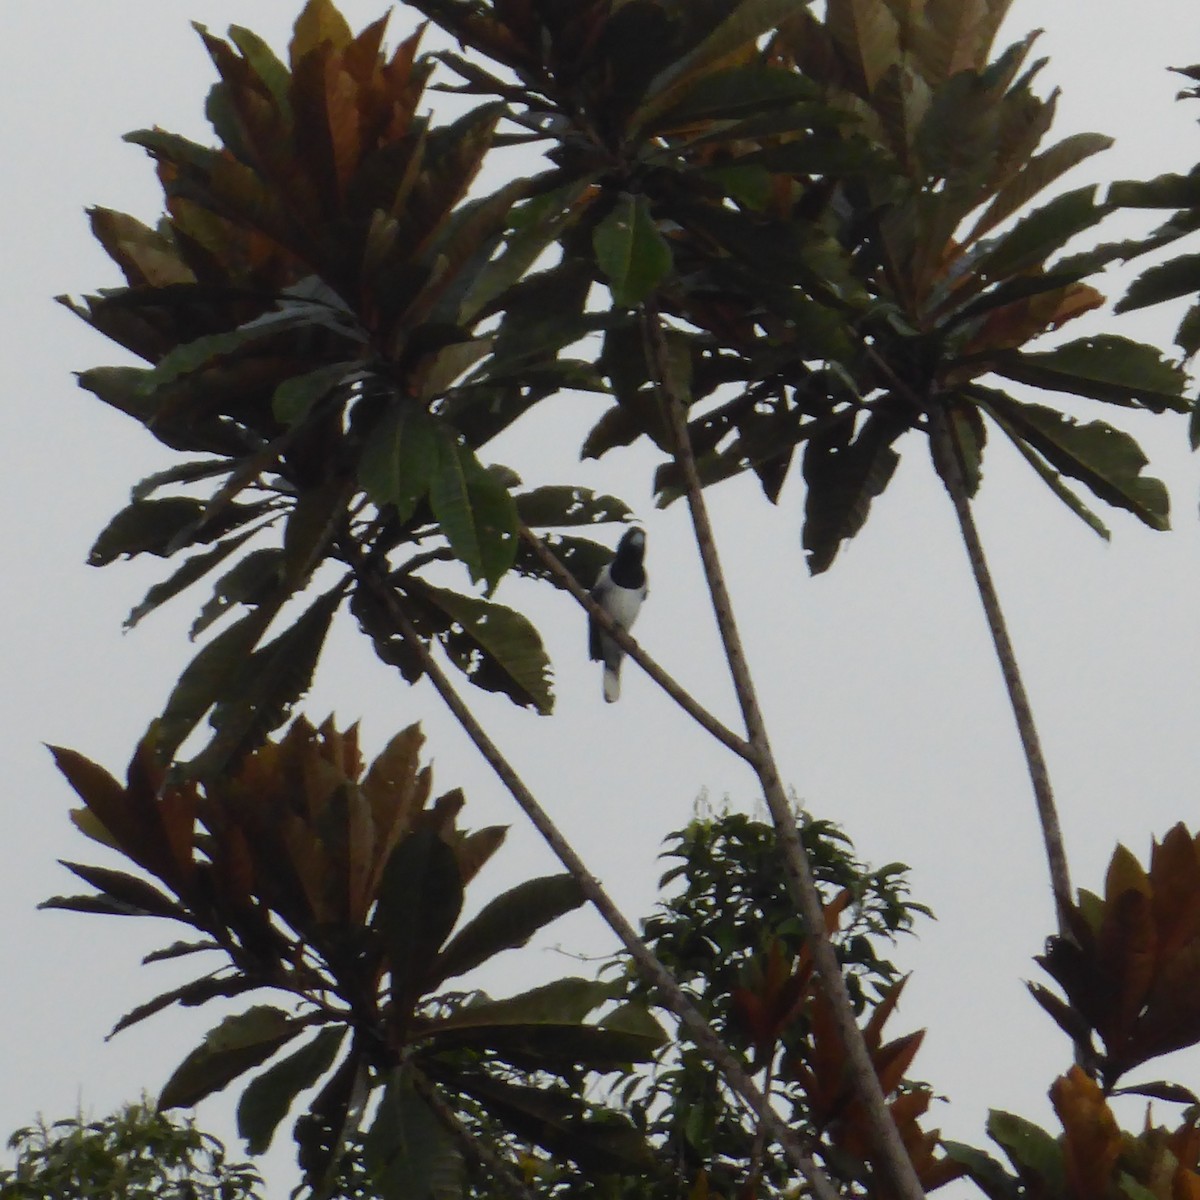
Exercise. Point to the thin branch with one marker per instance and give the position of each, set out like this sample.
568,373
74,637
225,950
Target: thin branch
652,970
949,467
698,712
889,1149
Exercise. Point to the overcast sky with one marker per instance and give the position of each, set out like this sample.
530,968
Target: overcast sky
885,705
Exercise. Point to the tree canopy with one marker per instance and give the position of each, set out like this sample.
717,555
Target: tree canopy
782,244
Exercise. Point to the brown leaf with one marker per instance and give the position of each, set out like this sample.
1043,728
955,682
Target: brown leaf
1092,1138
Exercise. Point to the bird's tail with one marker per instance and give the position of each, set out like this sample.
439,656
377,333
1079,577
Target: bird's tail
612,683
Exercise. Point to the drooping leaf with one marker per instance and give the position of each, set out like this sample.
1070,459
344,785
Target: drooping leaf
1107,460
146,527
269,1096
844,475
252,581
267,685
408,1151
1104,367
630,251
192,570
497,647
197,992
399,459
564,505
207,677
507,922
1168,281
475,510
420,897
233,1047
128,889
295,397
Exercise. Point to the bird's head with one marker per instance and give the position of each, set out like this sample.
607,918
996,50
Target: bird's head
634,539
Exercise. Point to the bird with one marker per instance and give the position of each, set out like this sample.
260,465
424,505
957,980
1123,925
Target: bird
620,591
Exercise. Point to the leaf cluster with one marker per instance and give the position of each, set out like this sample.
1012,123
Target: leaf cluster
1091,1158
1129,965
137,1153
727,930
339,888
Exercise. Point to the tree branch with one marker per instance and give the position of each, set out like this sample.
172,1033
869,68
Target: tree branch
698,712
889,1149
949,467
652,970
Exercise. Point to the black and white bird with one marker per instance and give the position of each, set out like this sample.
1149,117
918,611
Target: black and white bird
620,591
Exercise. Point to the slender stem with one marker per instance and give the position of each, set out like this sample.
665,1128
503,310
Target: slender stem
652,970
621,636
889,1149
949,467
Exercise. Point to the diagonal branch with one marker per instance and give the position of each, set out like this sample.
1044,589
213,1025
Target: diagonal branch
652,970
698,712
888,1147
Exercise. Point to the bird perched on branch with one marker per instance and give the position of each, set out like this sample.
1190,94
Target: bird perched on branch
620,591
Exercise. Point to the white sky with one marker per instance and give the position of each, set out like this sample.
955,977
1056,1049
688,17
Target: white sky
884,702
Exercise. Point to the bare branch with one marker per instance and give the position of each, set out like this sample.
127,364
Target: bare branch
949,467
621,636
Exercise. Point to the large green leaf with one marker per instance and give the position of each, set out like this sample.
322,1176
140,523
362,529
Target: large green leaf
507,922
498,648
269,1096
475,510
399,458
1031,1149
534,227
420,897
730,94
630,251
1104,367
235,1046
1107,460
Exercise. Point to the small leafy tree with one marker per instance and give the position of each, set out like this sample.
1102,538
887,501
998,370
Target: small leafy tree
137,1153
772,237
